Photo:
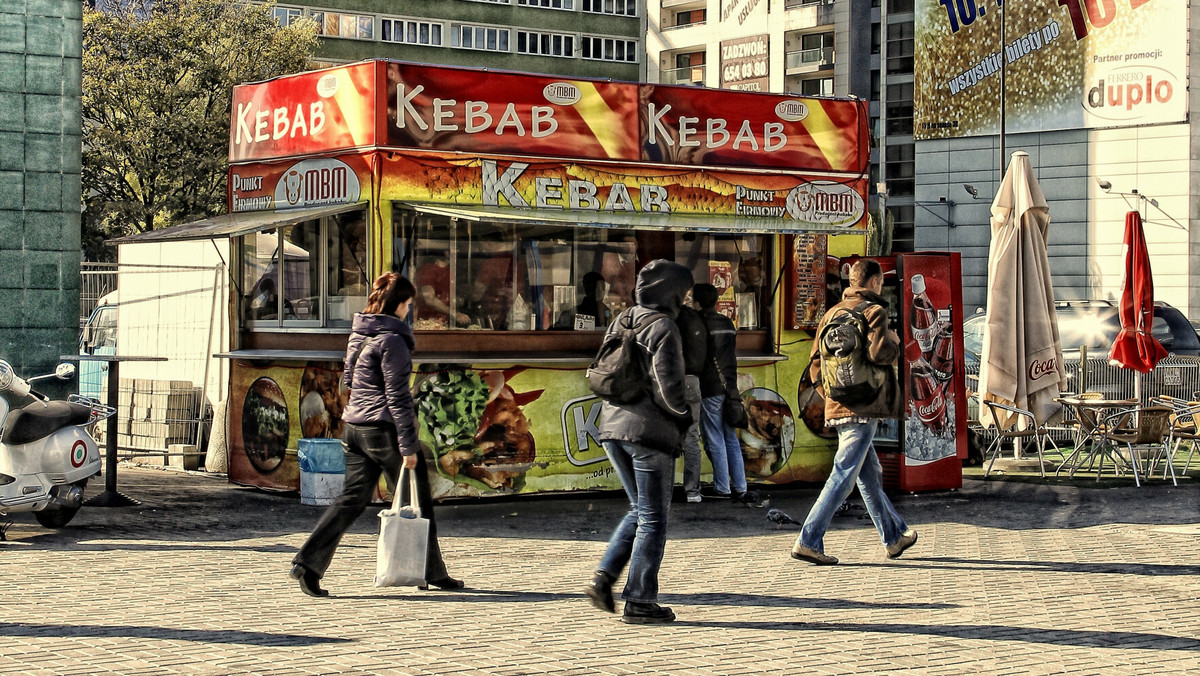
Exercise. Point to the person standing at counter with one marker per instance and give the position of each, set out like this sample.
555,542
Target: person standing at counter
856,460
642,440
380,431
433,287
720,439
694,338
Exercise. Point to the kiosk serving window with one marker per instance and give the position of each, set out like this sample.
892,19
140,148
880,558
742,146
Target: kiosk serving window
308,274
479,275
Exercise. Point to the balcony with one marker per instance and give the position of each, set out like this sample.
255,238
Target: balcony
810,13
691,75
808,60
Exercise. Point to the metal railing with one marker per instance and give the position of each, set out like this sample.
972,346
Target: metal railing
688,75
96,280
808,57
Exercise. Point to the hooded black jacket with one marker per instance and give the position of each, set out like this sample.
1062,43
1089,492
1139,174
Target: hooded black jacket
378,379
655,421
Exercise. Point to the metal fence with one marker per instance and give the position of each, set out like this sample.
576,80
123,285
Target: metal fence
175,312
96,280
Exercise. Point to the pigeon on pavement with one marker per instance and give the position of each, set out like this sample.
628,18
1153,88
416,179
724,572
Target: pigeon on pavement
779,517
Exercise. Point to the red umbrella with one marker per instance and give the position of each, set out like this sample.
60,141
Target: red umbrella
1135,347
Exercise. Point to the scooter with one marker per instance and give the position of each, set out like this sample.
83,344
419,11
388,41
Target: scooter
47,453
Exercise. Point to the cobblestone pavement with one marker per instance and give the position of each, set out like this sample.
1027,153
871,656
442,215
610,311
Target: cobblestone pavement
1007,578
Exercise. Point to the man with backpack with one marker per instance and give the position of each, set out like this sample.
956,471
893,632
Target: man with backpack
718,382
853,359
641,428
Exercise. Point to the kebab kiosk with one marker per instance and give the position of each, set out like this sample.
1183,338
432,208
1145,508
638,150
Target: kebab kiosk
522,207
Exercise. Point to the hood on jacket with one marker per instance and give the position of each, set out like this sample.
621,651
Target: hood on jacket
662,285
374,325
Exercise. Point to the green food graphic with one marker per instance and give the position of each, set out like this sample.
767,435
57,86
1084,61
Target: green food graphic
451,404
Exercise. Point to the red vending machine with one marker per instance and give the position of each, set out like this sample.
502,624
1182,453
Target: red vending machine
924,452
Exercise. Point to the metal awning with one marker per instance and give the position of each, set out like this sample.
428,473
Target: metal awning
235,224
631,220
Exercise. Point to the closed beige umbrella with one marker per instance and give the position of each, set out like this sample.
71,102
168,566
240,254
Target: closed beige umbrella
1022,358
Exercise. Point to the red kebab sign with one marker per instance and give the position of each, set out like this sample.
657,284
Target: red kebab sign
389,104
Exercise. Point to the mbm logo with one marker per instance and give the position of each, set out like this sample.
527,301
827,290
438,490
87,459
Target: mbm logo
313,183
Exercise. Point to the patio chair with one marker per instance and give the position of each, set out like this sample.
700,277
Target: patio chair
1144,427
1018,427
1184,428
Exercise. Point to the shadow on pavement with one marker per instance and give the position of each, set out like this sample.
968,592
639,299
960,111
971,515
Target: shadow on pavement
1075,638
135,631
716,599
1058,566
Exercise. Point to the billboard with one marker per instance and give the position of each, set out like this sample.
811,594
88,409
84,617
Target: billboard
482,111
1068,64
331,109
385,104
745,64
813,201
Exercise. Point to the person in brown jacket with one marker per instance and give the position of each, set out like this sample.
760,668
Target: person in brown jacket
856,459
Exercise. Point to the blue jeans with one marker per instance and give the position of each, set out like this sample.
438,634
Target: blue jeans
855,460
724,449
641,536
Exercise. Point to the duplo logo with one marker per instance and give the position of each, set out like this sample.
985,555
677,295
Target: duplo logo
1131,93
314,183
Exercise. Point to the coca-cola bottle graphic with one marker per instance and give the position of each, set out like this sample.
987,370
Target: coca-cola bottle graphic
928,403
942,360
923,317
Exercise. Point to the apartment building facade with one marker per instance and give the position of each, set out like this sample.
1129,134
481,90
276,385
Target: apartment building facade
586,38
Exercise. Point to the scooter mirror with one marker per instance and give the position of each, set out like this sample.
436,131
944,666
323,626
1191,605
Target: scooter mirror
64,371
6,375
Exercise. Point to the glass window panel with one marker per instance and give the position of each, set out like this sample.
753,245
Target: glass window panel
331,24
301,271
504,41
348,280
437,34
260,274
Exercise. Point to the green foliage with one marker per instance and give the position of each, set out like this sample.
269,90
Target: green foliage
157,82
879,231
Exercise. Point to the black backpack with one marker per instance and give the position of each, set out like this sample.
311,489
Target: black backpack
618,374
848,375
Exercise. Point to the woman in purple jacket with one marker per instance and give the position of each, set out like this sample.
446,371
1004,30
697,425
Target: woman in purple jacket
380,434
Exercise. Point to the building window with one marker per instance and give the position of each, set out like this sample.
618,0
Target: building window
551,4
343,25
287,16
610,49
545,44
494,2
544,278
479,37
822,86
412,32
320,279
692,17
620,7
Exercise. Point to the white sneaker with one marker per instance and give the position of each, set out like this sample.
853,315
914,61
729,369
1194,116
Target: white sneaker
695,497
907,539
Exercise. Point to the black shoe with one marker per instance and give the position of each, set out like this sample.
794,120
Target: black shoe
749,498
646,613
599,590
310,583
446,583
709,493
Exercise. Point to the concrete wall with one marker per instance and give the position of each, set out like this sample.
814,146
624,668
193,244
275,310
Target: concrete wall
40,151
1087,223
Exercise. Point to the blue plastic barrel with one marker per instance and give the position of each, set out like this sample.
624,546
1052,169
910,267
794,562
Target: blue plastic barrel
322,470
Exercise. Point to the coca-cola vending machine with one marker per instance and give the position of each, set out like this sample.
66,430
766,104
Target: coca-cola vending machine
925,450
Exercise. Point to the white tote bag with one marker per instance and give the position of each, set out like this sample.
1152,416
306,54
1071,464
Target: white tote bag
403,539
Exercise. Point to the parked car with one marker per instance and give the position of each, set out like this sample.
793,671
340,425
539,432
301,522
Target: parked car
1095,324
